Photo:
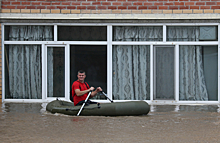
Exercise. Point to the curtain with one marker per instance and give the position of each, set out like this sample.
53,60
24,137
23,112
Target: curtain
192,84
131,64
25,65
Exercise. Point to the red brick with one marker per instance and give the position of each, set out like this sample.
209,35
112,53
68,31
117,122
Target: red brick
132,7
102,7
152,7
35,3
158,3
195,0
137,3
194,7
162,7
21,0
31,7
127,3
50,0
204,7
215,7
96,3
55,3
41,7
152,0
214,0
11,7
15,3
142,7
122,0
184,0
5,3
111,0
45,3
183,7
148,3
21,7
173,7
106,3
122,7
61,7
87,0
200,3
51,7
76,3
210,3
66,3
61,0
4,7
81,0
71,7
112,7
26,3
189,3
168,3
179,3
116,3
81,7
86,3
132,0
162,0
91,7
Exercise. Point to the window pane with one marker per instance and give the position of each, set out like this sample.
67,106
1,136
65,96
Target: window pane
138,33
55,71
82,33
192,33
29,33
92,59
23,72
131,73
198,73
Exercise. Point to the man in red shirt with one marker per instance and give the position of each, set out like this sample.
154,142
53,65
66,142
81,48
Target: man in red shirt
80,89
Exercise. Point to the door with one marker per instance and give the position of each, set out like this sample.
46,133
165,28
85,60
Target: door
164,73
55,71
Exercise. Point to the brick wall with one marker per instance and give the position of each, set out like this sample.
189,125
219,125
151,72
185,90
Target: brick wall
110,6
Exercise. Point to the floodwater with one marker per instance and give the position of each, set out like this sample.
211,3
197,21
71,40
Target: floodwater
29,122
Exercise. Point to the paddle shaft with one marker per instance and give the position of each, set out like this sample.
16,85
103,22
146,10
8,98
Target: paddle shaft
107,96
84,103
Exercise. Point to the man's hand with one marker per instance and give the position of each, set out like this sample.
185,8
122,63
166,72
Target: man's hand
91,88
98,89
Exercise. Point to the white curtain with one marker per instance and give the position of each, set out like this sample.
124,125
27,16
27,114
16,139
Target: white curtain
131,64
25,65
192,84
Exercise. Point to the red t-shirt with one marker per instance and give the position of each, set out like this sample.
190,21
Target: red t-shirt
81,86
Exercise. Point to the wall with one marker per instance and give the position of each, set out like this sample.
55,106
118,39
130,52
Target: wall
110,6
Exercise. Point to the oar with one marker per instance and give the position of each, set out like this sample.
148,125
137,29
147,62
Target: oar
107,96
84,103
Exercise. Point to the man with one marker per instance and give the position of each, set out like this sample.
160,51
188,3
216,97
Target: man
80,90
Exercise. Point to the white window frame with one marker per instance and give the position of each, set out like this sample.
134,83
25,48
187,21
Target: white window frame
109,44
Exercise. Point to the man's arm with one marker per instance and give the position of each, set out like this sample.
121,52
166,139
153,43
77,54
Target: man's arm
80,93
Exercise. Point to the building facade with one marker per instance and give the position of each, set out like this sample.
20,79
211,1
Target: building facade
161,51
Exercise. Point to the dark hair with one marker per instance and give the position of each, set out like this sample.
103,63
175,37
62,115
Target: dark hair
81,71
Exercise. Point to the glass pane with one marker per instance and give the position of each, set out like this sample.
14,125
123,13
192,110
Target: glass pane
29,33
55,72
23,72
131,72
138,33
82,33
93,60
198,73
192,33
164,73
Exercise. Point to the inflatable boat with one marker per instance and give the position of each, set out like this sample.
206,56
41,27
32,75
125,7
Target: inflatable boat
131,108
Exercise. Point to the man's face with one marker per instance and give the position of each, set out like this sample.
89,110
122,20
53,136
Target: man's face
81,77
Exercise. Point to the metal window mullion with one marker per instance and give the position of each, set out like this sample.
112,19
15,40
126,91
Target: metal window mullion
44,71
164,33
3,64
218,63
109,61
67,71
55,32
151,72
176,55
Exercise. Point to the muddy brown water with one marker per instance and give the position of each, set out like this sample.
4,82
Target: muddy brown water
29,122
